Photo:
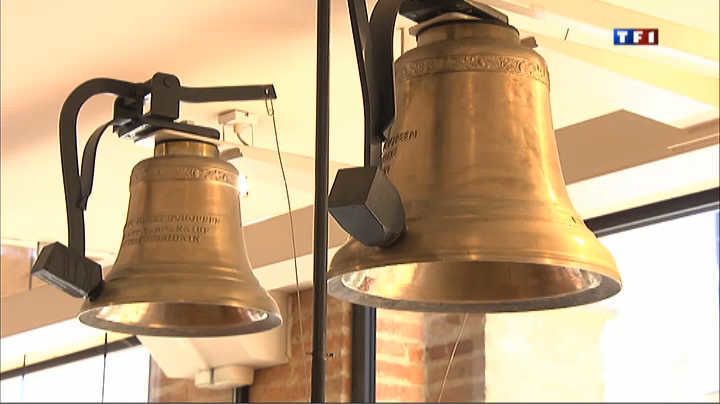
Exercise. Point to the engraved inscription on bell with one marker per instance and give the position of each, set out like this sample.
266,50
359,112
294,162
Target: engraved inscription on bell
390,149
168,228
476,63
184,173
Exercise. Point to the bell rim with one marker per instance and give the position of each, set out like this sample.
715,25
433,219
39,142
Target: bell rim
610,284
273,319
610,272
607,288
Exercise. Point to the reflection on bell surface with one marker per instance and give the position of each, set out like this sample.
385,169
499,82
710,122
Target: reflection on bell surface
472,152
182,269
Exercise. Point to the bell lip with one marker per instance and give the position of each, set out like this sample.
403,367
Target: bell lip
88,316
610,272
610,285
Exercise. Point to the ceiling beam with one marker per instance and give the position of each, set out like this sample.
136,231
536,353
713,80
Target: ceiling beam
600,14
680,81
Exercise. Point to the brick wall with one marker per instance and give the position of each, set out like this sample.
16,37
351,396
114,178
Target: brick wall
400,356
466,378
290,382
413,350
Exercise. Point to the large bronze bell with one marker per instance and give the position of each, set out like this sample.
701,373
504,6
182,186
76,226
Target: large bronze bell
489,225
182,269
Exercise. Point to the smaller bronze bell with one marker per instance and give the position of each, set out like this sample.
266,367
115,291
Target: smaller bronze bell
182,269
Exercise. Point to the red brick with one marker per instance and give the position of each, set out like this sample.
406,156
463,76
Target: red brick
391,348
411,373
416,354
471,391
412,331
395,393
462,367
443,351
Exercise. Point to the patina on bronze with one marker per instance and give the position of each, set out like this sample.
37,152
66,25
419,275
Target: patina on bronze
472,152
182,268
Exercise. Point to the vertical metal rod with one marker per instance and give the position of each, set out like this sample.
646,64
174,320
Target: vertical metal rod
363,354
242,394
22,379
322,123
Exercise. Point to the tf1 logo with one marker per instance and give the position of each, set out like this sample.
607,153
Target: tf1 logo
635,36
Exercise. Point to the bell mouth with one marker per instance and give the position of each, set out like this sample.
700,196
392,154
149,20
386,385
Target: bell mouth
473,286
180,319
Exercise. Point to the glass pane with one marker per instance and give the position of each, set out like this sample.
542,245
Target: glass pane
127,375
11,390
126,380
79,381
666,322
656,340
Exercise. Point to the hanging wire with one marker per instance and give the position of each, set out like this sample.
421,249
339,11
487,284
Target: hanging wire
33,257
102,390
452,356
236,135
252,135
270,108
22,379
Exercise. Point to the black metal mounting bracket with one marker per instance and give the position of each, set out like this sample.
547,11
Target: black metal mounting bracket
67,267
166,93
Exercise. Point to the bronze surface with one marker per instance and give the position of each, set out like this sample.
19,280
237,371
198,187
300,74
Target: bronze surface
472,151
182,268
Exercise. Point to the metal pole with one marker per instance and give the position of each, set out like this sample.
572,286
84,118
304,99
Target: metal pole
322,122
242,394
363,354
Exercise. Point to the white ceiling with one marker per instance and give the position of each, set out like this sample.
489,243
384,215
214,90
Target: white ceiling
49,47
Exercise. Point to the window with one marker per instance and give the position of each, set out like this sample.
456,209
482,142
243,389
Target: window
656,340
126,380
665,325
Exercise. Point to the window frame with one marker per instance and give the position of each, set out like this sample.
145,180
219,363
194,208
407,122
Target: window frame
99,350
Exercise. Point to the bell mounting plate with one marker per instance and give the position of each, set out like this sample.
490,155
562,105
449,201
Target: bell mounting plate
424,10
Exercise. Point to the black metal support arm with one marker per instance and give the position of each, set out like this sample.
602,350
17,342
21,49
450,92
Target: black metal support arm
363,200
68,148
67,267
364,324
166,93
